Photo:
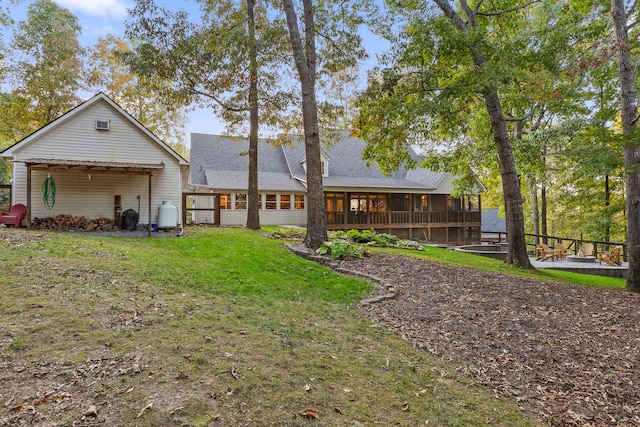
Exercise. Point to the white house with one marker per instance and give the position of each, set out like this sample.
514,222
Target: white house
102,162
413,203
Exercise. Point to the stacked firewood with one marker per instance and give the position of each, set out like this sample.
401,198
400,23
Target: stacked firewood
72,223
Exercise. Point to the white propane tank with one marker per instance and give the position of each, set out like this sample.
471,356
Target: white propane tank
167,215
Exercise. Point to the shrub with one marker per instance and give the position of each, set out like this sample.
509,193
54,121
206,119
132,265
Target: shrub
287,233
409,244
385,239
340,248
339,234
364,236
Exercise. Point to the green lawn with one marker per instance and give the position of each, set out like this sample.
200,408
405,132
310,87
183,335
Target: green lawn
221,327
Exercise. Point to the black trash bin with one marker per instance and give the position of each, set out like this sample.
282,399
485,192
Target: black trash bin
129,220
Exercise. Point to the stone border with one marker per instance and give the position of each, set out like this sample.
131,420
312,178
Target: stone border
391,291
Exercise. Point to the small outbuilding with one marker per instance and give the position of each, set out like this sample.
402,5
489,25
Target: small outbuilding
100,161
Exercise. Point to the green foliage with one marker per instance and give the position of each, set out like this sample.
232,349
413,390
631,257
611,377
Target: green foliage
409,244
206,62
287,233
47,60
339,248
362,236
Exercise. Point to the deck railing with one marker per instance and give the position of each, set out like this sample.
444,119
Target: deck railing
402,217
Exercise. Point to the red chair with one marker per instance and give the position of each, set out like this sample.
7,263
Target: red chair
15,217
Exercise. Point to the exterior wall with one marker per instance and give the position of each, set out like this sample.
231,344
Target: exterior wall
277,216
77,139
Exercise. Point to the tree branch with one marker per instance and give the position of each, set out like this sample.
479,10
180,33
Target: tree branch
629,11
519,119
502,12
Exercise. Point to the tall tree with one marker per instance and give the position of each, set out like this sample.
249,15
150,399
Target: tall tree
337,23
305,59
48,63
219,63
629,111
447,61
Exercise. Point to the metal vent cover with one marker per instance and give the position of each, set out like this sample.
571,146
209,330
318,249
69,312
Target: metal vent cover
103,124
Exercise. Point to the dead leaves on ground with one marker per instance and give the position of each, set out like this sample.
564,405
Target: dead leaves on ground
310,413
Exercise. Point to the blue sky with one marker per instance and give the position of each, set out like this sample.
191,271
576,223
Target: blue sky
101,17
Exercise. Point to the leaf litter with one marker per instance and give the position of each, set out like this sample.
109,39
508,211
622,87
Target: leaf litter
568,354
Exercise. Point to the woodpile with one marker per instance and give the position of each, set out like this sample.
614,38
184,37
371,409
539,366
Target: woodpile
72,223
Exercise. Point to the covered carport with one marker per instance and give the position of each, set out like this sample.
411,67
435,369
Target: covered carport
89,167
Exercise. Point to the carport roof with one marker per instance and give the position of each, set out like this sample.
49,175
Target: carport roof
91,165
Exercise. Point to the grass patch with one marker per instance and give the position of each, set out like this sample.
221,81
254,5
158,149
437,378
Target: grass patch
461,259
223,324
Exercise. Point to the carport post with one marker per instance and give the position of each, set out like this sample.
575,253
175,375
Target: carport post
28,197
149,225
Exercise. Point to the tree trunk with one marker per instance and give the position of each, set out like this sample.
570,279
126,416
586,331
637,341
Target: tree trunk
543,213
535,209
510,181
253,203
631,151
510,184
305,59
607,203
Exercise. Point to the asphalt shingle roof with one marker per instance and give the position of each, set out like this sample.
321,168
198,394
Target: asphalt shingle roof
221,162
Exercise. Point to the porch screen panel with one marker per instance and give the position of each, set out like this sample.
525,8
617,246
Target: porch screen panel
335,208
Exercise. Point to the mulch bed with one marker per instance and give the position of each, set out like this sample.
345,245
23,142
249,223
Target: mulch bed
570,355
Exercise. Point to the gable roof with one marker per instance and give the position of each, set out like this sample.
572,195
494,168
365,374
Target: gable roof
99,97
221,162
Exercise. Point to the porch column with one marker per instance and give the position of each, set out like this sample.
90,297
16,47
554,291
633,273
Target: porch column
216,209
345,209
411,207
28,197
368,211
149,224
184,209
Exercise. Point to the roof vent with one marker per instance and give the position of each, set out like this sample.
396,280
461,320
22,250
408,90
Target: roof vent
103,124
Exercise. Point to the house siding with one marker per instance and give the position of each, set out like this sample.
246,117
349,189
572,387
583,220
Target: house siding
232,217
75,138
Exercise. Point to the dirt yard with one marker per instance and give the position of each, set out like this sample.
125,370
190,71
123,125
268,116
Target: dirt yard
571,355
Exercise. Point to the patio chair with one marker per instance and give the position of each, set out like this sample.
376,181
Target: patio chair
612,257
586,250
15,217
544,252
560,251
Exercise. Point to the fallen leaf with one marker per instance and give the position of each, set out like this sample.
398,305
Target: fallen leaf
338,410
214,418
16,408
307,387
347,390
150,405
310,413
349,374
40,401
405,406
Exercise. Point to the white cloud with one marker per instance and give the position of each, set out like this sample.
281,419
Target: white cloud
100,8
